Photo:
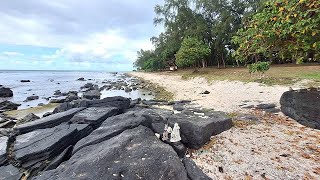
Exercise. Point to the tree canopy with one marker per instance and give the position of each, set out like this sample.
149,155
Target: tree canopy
191,51
232,32
287,29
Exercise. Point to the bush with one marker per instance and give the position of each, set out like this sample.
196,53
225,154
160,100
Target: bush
259,67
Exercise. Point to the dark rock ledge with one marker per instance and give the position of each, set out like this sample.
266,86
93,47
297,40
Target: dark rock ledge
105,139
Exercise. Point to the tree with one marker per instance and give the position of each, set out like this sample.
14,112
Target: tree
148,61
284,29
192,50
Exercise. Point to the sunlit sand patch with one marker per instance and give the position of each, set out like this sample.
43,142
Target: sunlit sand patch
39,111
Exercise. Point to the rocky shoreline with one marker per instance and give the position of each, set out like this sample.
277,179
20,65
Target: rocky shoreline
88,91
111,138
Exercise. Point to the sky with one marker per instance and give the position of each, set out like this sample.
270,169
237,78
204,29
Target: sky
95,35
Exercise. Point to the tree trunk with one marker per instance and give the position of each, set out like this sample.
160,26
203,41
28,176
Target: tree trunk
203,63
223,61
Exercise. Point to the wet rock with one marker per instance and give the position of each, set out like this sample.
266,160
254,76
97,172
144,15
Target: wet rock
31,98
303,106
47,114
81,79
8,106
5,92
45,144
47,122
57,100
28,118
196,130
57,93
94,116
93,94
193,171
9,173
89,87
134,154
40,104
128,89
25,81
3,150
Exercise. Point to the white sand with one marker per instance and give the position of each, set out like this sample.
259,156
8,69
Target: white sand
224,95
276,148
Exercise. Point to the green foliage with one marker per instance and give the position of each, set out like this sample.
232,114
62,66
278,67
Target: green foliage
148,61
192,50
260,67
286,29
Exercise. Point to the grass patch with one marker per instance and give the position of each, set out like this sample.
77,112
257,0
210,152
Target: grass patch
277,75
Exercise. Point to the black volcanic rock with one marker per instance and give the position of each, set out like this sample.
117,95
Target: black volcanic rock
94,115
3,150
193,171
119,102
8,106
303,106
47,122
5,92
134,154
9,173
28,118
44,144
92,94
31,98
196,130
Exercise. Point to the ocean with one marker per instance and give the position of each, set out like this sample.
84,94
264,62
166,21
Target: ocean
45,83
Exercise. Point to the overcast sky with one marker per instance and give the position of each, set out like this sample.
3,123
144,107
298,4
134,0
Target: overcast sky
74,34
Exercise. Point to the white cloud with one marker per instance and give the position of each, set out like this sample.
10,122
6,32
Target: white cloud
11,54
108,47
96,31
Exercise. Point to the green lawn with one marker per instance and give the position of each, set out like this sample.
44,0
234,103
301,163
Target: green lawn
277,75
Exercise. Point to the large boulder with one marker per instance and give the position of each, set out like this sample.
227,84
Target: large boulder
112,127
303,106
5,92
134,154
3,150
44,144
8,106
47,122
94,116
197,129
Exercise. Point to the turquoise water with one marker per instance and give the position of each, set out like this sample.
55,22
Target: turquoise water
44,83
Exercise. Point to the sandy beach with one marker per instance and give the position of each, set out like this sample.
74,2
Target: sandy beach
274,147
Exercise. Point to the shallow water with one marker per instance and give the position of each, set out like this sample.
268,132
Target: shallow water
44,83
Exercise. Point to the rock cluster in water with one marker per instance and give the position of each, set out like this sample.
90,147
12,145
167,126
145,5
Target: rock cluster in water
111,138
